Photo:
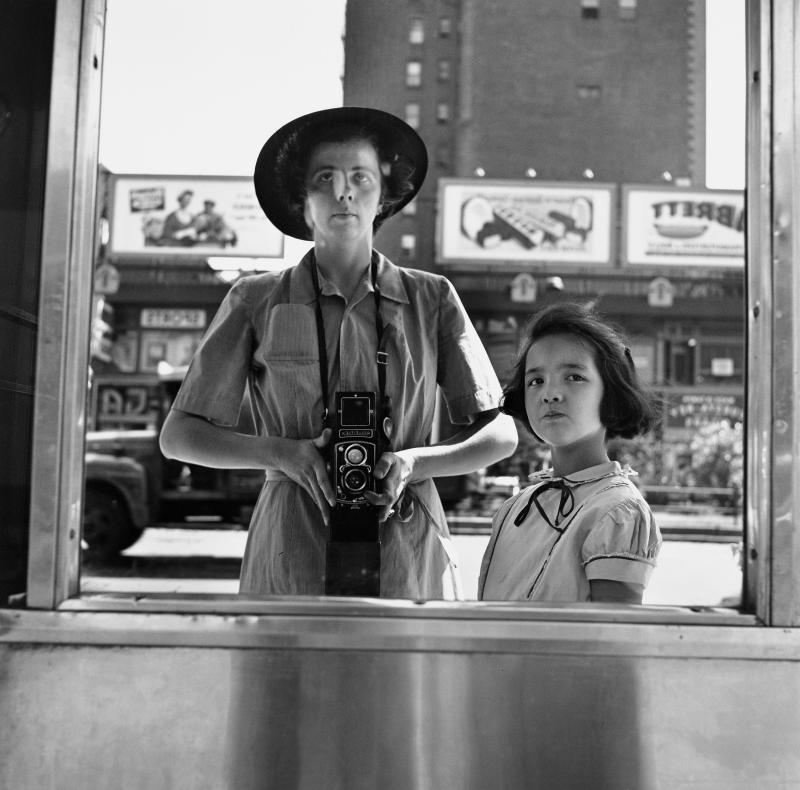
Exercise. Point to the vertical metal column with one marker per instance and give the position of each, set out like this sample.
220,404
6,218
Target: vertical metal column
65,303
779,596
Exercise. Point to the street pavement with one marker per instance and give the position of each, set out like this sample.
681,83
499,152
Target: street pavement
188,560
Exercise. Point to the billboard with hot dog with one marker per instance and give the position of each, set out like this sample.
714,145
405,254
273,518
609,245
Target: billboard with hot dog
482,220
674,227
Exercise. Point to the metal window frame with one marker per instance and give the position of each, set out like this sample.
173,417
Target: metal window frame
65,300
772,566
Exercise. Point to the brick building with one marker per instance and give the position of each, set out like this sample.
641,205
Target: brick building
605,93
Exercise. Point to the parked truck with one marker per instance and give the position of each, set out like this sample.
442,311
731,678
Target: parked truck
129,484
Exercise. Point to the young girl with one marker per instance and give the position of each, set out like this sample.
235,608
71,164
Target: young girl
582,531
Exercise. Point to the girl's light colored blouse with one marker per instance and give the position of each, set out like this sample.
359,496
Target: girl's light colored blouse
601,529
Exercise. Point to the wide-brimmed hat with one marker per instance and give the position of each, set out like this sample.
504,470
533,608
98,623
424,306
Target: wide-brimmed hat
275,173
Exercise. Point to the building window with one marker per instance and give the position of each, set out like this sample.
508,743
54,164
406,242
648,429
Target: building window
445,27
408,244
442,112
413,74
443,156
722,361
443,70
589,91
627,9
410,209
590,9
680,360
412,114
416,33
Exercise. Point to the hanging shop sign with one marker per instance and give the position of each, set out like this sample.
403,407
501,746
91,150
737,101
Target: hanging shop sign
675,227
523,288
660,292
106,279
189,217
482,221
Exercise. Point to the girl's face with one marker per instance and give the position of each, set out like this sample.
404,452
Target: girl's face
563,391
343,190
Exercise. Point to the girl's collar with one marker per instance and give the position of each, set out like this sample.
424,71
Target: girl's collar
588,475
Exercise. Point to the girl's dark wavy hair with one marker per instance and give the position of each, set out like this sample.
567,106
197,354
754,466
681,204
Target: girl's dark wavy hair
627,408
396,169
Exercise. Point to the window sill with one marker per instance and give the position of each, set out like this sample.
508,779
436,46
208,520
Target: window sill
295,623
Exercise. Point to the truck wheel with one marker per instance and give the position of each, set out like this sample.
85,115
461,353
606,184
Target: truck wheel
107,528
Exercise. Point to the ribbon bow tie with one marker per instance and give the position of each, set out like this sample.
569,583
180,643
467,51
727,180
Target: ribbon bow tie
565,506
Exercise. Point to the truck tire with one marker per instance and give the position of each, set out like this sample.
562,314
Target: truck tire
107,527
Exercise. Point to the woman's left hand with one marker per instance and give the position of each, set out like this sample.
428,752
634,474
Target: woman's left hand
395,470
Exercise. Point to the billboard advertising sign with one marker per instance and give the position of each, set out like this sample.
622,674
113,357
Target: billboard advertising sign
481,221
187,216
673,227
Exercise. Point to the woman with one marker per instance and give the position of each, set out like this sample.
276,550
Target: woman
333,177
179,224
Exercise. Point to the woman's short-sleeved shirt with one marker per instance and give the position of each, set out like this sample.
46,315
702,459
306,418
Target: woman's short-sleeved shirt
264,339
594,524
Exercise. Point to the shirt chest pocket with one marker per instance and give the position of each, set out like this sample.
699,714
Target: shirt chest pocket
287,368
290,335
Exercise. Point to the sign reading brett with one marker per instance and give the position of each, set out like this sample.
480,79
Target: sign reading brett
677,227
491,220
184,216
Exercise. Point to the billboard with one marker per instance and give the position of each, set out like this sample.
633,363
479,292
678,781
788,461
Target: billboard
483,220
674,227
188,216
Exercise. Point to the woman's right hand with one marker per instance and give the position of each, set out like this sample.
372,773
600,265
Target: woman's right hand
301,460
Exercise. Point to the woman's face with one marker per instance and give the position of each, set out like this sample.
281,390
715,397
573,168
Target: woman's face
343,190
563,391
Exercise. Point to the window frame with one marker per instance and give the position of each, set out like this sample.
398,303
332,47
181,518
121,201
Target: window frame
771,589
413,73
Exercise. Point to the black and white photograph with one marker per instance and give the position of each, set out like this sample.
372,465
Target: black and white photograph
400,394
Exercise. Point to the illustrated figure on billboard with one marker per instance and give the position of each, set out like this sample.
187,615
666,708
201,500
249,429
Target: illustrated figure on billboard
179,224
211,227
182,228
490,221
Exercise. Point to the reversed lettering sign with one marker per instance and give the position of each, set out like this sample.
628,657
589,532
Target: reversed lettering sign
676,227
173,318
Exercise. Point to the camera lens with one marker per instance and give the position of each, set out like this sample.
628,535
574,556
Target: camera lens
355,454
355,479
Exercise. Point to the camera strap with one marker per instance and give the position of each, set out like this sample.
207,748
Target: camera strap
381,356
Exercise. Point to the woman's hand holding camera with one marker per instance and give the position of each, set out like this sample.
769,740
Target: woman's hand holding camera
303,462
395,469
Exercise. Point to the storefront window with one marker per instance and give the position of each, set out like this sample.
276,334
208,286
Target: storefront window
673,291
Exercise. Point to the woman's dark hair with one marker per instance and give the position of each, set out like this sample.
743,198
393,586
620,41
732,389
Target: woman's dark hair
627,408
396,170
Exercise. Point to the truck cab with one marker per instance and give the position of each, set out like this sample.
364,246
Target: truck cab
130,484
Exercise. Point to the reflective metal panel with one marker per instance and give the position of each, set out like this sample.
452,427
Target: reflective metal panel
760,310
65,298
784,608
358,718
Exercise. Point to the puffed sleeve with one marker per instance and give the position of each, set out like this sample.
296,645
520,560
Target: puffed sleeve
465,373
624,545
215,383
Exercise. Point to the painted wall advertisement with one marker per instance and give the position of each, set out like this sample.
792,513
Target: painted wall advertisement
184,216
683,227
490,220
